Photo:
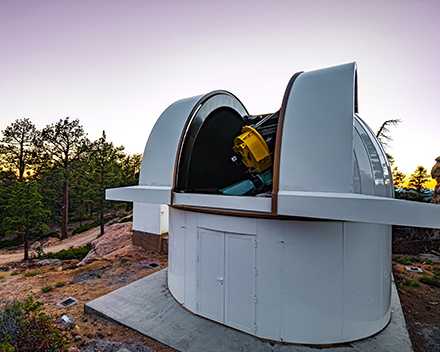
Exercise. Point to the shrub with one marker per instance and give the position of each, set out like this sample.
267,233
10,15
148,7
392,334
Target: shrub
71,253
60,284
8,243
15,273
47,288
34,273
25,327
430,280
93,224
84,228
406,259
50,234
130,218
38,253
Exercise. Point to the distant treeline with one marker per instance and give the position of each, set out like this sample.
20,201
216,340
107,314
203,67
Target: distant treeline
57,174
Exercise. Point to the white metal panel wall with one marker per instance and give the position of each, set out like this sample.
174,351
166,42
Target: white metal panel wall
164,218
386,274
362,294
146,217
316,283
312,282
269,278
176,253
190,259
233,224
317,141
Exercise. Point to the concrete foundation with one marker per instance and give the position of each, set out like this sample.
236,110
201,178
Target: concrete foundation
148,307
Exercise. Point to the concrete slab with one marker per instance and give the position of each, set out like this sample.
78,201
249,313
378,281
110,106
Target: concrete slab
147,307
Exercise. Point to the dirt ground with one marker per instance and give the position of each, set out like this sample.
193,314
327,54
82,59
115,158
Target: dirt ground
421,305
420,302
85,284
76,241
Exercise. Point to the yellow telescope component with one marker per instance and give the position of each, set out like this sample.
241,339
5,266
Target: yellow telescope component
253,148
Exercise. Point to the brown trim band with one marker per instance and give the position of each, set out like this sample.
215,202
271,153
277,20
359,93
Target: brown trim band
244,214
276,163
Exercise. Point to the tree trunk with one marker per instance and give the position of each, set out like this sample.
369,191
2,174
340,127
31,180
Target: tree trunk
19,239
65,210
26,245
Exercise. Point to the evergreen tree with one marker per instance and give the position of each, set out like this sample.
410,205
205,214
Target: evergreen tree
130,167
398,178
26,213
104,171
418,180
61,144
16,146
7,181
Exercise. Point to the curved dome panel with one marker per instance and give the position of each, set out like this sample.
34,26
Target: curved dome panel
157,168
317,139
371,164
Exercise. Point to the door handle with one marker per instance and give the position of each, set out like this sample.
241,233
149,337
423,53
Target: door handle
220,279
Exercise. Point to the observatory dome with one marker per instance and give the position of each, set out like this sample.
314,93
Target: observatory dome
279,224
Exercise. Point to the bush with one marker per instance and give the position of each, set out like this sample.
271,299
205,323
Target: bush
50,234
34,273
71,253
93,224
25,327
126,219
8,243
406,259
84,228
430,280
47,288
60,284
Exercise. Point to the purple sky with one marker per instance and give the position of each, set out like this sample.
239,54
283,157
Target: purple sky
116,65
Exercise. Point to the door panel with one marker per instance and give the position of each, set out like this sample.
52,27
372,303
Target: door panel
211,275
226,278
240,282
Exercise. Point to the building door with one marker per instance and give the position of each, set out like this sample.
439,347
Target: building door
226,278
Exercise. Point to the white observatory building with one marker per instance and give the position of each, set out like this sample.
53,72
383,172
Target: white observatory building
279,224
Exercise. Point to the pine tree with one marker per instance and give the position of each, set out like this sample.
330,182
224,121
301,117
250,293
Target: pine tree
398,178
104,171
61,144
418,180
27,214
16,146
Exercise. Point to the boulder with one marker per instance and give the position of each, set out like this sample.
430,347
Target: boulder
435,174
115,238
50,241
35,245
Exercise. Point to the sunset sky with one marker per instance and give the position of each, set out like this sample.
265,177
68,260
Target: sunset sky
117,64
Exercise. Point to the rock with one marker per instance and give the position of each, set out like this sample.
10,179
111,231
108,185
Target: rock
435,174
73,349
54,262
50,241
66,322
433,257
115,238
35,245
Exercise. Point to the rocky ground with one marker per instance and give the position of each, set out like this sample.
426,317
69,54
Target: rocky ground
109,268
114,262
420,302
